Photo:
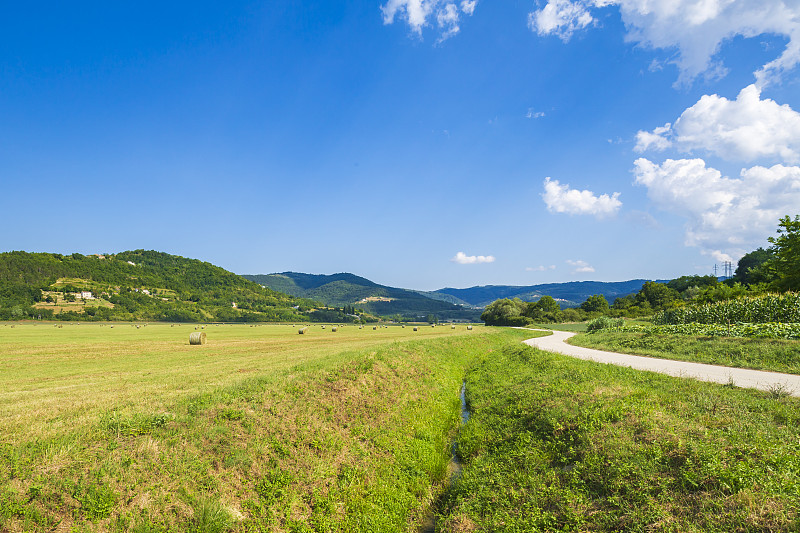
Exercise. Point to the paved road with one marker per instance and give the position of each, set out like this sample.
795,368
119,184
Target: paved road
756,379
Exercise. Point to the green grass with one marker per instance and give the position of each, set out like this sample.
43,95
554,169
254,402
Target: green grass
261,429
558,444
566,326
777,355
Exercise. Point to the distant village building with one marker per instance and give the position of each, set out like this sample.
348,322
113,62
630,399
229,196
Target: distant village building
131,263
86,295
233,304
145,291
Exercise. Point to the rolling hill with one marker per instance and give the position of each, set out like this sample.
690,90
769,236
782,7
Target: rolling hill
348,289
135,285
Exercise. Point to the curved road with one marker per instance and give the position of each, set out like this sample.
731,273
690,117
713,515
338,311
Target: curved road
756,379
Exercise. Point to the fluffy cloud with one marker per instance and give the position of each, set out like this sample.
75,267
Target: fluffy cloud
746,129
561,199
695,28
580,266
417,13
560,17
463,259
725,216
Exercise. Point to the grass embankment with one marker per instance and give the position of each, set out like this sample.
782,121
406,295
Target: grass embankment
559,444
132,429
777,355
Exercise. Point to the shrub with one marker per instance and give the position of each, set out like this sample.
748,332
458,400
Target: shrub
604,322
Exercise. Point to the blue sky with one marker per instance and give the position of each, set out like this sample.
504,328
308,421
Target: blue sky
419,143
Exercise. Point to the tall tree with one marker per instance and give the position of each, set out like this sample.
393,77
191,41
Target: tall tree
787,253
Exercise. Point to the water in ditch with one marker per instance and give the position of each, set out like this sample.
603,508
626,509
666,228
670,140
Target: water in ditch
453,469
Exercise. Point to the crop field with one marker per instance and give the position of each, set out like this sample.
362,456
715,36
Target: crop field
54,378
261,429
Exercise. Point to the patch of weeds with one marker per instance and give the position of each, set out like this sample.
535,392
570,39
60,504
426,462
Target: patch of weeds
97,500
238,459
230,414
272,487
210,516
779,391
349,475
119,424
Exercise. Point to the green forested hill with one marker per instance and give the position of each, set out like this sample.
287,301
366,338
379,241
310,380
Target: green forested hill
135,285
348,289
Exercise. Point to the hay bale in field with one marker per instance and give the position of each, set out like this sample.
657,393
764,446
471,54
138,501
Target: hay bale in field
334,329
302,331
416,328
452,327
323,327
469,328
374,328
433,325
196,338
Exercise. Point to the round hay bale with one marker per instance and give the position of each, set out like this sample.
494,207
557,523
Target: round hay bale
374,328
416,328
323,327
334,329
302,331
452,327
469,328
403,326
197,338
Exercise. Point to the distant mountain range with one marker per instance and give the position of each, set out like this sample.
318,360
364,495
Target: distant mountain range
348,289
568,294
447,304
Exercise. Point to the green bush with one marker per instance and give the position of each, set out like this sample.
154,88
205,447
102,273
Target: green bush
604,322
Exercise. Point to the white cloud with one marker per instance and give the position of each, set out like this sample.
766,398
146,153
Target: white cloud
560,17
696,29
447,19
657,139
534,114
744,129
561,199
417,13
540,268
463,259
726,217
580,266
468,7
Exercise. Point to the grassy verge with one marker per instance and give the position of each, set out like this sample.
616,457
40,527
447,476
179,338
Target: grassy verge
559,444
566,326
268,431
777,355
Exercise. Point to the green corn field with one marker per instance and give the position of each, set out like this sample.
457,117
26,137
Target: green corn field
769,308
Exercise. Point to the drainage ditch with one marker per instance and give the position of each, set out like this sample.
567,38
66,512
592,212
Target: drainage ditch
454,468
